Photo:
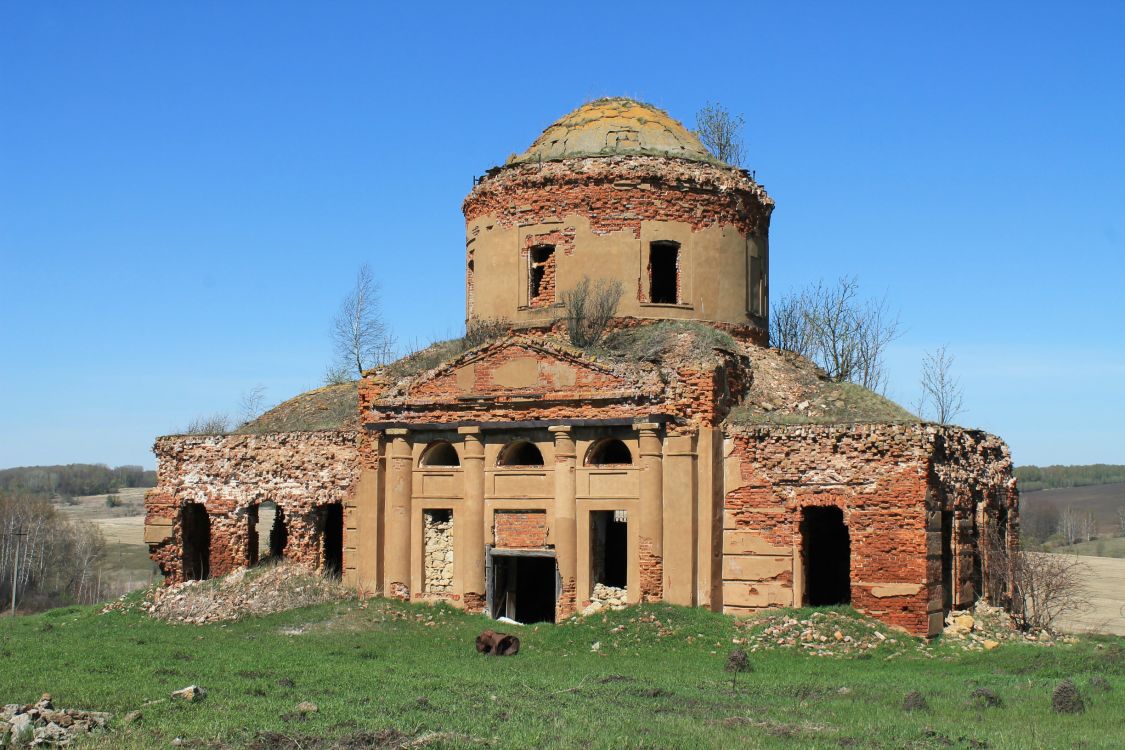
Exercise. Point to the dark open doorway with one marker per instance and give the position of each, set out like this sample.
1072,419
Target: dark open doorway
827,553
947,561
664,272
523,587
609,548
332,529
195,525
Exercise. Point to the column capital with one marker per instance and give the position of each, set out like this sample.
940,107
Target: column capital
558,429
469,430
646,426
397,432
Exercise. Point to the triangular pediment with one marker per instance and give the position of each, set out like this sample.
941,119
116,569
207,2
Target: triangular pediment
524,366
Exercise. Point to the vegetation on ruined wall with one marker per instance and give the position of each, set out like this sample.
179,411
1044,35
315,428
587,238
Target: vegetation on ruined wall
73,480
394,674
332,407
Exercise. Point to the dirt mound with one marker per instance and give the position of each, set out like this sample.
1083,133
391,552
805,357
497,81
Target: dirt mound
248,592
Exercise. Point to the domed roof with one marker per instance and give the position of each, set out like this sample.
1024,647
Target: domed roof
607,127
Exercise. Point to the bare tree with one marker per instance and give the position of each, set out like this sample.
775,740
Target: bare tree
721,133
250,404
1075,526
215,424
359,335
941,391
590,308
1039,587
845,335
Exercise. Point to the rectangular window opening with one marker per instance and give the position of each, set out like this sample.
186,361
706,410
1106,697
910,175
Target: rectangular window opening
541,275
664,273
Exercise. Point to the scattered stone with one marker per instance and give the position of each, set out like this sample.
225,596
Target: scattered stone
915,701
989,644
605,598
42,725
131,718
191,693
307,707
1066,699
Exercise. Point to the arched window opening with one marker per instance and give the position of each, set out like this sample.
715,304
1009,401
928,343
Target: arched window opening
609,451
521,453
441,453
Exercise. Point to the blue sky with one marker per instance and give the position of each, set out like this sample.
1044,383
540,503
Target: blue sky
186,190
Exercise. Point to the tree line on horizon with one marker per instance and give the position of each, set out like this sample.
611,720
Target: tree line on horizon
73,480
1032,478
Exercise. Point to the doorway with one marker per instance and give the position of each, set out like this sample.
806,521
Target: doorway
195,526
523,587
332,538
609,548
827,551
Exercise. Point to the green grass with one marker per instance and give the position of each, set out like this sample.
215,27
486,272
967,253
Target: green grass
1106,547
657,681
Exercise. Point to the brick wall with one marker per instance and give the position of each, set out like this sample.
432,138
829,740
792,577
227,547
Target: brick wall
231,474
520,529
882,477
618,193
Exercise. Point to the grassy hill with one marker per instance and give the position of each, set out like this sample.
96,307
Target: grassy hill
388,675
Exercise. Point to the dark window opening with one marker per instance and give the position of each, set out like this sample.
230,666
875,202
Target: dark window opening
522,453
827,553
664,272
541,283
609,548
609,451
440,454
195,525
332,538
947,561
523,588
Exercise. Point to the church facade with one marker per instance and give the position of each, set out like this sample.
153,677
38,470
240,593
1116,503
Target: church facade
679,460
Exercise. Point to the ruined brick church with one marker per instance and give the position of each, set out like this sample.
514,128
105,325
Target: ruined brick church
681,460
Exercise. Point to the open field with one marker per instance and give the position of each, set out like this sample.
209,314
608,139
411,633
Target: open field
1105,586
127,565
1102,501
648,677
1104,547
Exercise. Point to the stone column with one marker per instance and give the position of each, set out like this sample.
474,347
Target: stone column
651,522
679,520
363,540
566,522
469,555
397,562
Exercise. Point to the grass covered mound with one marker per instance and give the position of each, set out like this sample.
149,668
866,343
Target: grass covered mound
789,389
332,407
652,676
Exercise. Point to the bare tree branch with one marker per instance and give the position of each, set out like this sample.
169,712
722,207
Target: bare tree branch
721,133
845,336
358,333
942,394
590,308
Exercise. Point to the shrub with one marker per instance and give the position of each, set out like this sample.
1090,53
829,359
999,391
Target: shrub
112,501
484,330
590,308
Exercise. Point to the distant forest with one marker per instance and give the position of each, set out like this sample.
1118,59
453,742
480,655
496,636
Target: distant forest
1033,478
73,480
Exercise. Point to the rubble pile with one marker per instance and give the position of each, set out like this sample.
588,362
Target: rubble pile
826,633
247,592
984,628
604,598
42,725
